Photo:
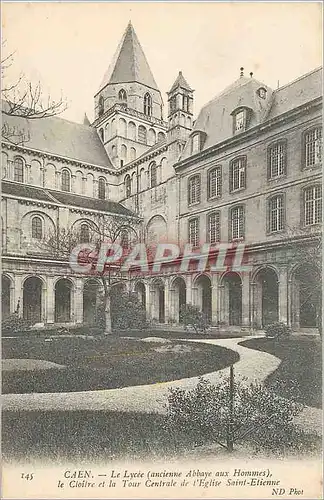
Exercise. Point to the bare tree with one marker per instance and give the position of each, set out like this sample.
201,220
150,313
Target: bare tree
22,98
113,229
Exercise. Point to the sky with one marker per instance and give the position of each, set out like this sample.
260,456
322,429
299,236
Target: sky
68,46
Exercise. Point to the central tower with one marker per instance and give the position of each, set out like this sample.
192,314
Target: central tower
128,104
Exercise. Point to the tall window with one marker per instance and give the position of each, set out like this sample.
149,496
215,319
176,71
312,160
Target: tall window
277,160
185,103
193,232
237,222
102,134
101,105
276,213
102,189
84,233
66,180
238,174
313,147
18,170
313,205
122,96
173,103
213,225
194,189
128,186
147,104
142,134
37,228
153,175
214,186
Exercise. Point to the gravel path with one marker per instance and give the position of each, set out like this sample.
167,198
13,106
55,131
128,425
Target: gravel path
253,365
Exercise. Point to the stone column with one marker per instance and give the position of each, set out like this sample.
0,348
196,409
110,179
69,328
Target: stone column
57,179
214,299
188,280
50,300
173,309
245,299
77,304
283,295
221,304
167,301
253,306
148,300
290,293
18,294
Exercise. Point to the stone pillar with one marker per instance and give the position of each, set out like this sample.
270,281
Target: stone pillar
44,303
214,299
173,302
50,299
148,300
77,307
189,294
245,299
73,178
167,301
290,300
95,188
283,295
253,306
84,180
18,294
221,304
57,179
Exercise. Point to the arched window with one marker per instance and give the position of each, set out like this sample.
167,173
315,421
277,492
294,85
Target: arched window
147,104
37,228
194,190
238,174
66,180
84,233
161,137
276,213
122,96
142,134
313,147
132,154
101,105
102,134
124,239
19,170
102,189
153,175
214,185
313,205
128,186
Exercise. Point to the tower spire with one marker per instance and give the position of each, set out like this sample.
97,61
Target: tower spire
129,63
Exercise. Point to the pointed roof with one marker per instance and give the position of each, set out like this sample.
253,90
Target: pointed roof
129,63
86,120
180,82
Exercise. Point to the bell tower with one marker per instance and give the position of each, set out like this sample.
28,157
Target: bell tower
180,114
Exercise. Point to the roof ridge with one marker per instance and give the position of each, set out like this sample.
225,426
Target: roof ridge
299,78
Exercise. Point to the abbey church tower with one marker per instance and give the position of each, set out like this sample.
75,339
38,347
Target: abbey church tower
128,104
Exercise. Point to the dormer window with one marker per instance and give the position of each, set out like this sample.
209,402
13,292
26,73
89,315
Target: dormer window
197,142
262,93
240,121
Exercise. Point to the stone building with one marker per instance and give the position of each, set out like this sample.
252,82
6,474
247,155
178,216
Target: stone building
248,169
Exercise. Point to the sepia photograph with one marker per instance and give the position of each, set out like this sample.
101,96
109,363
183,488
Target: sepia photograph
161,218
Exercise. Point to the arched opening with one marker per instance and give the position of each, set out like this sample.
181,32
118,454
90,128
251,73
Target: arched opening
306,296
122,96
179,297
66,181
266,298
204,296
156,230
32,299
84,233
63,295
140,290
91,301
102,188
18,170
6,297
158,301
233,299
147,104
161,137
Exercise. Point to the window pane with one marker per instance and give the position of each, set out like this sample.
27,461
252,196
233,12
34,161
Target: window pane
276,213
277,159
102,189
19,170
313,147
237,222
214,182
37,228
194,190
193,232
238,174
313,205
214,227
66,181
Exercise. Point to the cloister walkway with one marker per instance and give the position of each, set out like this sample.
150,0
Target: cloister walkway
253,366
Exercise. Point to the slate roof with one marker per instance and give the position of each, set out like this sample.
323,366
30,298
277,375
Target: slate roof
61,137
64,198
215,118
180,82
129,63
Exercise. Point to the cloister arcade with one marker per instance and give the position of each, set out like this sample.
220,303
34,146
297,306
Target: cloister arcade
230,299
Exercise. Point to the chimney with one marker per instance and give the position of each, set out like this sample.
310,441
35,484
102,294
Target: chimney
251,74
241,72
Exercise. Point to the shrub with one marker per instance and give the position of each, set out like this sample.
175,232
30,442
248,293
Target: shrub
258,415
127,312
14,324
191,316
277,330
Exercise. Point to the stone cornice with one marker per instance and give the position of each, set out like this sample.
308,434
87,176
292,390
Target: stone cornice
53,157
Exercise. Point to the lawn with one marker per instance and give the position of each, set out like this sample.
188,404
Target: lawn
300,371
104,363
